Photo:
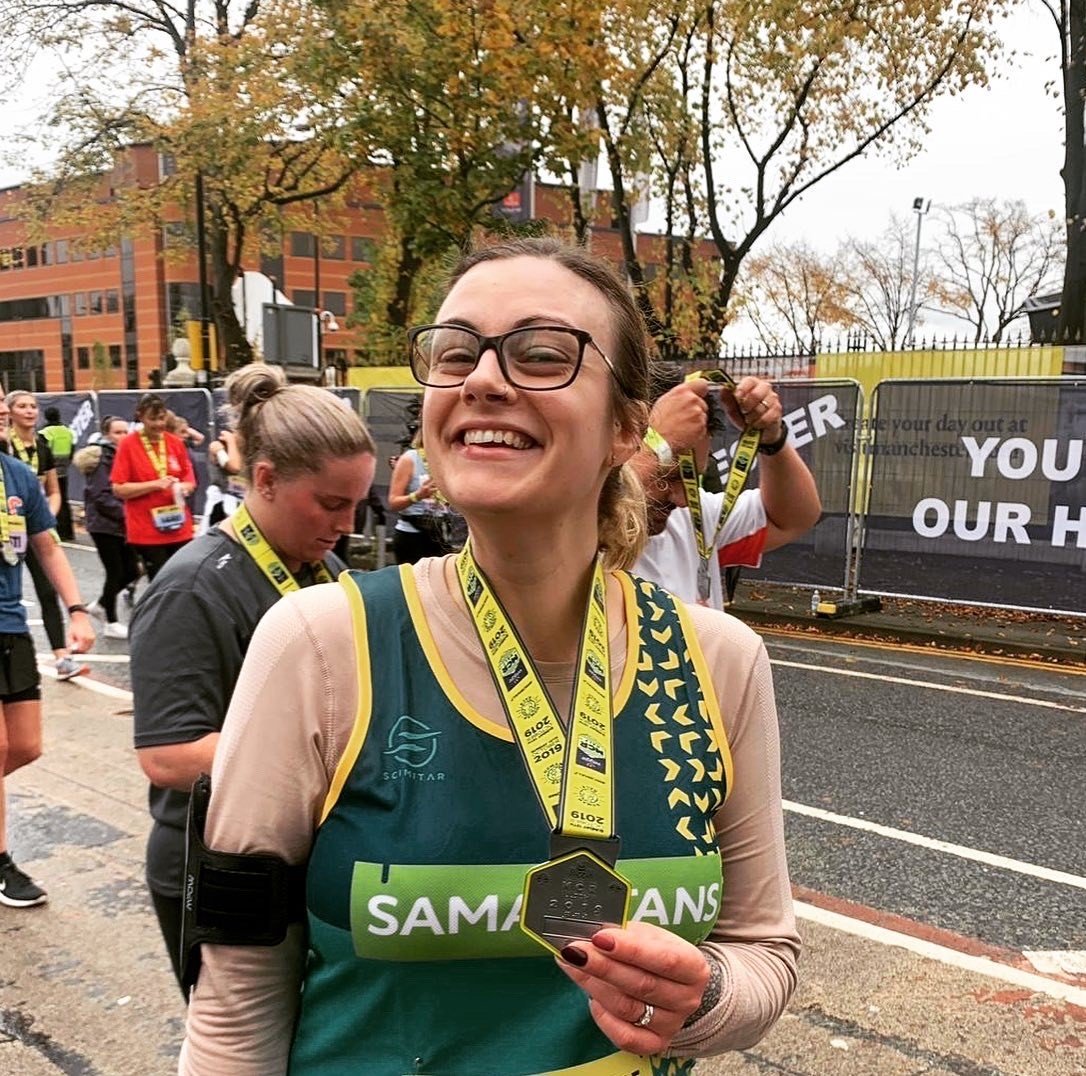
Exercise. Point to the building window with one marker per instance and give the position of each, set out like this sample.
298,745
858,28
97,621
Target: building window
301,244
176,235
363,249
336,302
167,165
5,259
82,358
80,302
48,254
303,297
93,255
115,356
94,302
31,257
77,253
60,248
334,247
113,301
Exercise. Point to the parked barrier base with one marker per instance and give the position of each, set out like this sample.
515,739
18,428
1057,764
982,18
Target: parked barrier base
849,607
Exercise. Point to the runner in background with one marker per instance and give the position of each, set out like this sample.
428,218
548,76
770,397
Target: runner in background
153,475
307,462
785,505
103,518
61,442
32,448
25,523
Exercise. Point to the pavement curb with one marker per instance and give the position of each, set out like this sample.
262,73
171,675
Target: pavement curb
1041,651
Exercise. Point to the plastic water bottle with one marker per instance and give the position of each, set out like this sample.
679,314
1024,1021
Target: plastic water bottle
816,598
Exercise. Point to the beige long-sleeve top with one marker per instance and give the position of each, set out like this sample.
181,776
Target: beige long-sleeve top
288,725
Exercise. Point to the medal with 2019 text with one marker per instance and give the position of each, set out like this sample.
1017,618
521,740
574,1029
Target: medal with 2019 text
578,890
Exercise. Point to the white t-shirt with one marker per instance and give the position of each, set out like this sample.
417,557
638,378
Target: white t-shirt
670,558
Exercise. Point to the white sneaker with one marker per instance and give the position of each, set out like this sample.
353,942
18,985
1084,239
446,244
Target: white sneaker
95,609
116,630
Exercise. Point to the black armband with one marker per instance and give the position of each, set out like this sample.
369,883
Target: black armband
232,899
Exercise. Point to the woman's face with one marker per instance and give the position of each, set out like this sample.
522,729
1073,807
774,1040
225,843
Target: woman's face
154,422
555,447
310,511
118,430
24,412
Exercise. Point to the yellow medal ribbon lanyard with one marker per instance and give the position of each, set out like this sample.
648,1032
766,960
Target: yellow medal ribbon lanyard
738,472
578,891
256,545
8,549
158,460
27,453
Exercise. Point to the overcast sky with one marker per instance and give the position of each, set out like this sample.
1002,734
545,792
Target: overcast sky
1004,141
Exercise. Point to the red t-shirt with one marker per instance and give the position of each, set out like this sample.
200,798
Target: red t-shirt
132,464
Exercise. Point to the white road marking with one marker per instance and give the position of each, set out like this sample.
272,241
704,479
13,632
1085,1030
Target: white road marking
1038,984
1058,961
104,659
975,854
1024,700
100,686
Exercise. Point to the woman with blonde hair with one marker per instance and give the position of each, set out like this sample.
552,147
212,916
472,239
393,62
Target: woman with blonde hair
507,773
307,461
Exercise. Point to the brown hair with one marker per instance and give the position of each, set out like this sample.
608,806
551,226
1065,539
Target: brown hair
294,427
621,513
150,403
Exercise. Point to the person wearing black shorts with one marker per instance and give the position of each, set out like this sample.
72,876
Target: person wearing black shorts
27,524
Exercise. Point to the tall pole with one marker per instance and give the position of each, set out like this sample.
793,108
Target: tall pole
201,256
317,280
920,209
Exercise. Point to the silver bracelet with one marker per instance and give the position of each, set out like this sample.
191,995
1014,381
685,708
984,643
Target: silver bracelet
713,989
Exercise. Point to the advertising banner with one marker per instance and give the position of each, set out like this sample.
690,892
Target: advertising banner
823,419
978,492
78,413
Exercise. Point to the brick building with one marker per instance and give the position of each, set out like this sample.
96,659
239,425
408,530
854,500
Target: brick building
74,319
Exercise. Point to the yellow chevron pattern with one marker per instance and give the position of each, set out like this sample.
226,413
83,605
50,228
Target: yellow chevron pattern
678,726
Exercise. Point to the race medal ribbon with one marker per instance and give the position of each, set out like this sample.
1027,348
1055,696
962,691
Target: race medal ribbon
267,560
8,527
577,891
745,451
158,459
27,453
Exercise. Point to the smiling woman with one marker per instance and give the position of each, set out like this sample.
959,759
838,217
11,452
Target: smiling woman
509,755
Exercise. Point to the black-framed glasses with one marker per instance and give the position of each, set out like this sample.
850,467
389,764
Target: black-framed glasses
537,357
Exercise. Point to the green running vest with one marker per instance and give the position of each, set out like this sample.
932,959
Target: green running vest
416,961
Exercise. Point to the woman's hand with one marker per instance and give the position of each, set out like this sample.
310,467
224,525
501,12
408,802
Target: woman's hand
426,489
625,970
755,404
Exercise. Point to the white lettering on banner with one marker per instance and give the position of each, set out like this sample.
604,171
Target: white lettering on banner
83,418
804,424
1062,524
1010,520
1017,457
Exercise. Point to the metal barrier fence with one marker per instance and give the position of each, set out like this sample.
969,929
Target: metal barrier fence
977,492
824,417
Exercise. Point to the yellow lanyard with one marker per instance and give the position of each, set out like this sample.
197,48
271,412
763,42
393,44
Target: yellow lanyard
745,451
27,453
5,526
256,545
575,788
158,462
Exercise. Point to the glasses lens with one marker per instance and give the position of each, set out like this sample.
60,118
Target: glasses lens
541,358
444,355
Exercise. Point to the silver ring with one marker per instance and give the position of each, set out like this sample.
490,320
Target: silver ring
646,1017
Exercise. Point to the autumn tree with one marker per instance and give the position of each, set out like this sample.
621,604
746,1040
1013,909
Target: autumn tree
225,89
792,295
767,99
1069,17
878,285
990,257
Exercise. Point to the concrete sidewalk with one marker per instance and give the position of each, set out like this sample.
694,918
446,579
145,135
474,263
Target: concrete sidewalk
1008,633
86,989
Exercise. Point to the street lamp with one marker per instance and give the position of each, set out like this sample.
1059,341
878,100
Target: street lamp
920,207
201,254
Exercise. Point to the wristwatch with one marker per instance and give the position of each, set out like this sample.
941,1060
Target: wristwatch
774,447
657,444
